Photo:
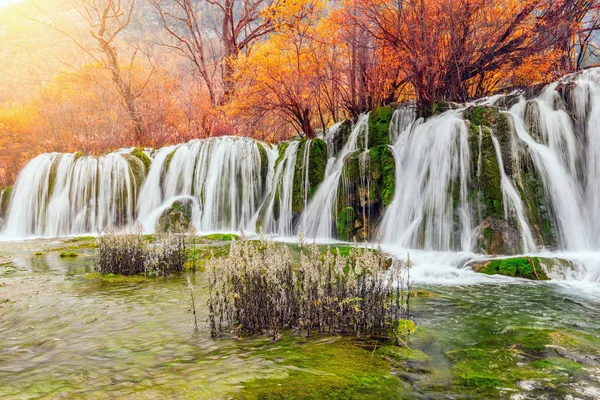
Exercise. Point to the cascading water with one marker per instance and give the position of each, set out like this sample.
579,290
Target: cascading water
432,170
513,206
317,219
61,194
546,165
558,177
282,194
224,174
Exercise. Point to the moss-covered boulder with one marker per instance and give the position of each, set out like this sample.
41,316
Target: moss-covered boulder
532,268
178,216
383,175
139,153
307,178
338,139
137,169
367,186
495,236
6,195
346,223
379,126
264,163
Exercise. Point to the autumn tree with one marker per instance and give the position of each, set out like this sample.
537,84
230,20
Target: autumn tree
449,49
239,24
280,79
106,20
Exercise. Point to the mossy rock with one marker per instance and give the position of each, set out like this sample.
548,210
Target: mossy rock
540,210
220,237
341,136
346,221
78,155
264,163
281,149
435,108
178,216
519,267
317,162
487,189
137,169
379,126
383,174
496,237
143,157
5,204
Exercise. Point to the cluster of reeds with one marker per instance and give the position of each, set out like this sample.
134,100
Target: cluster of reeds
127,253
259,288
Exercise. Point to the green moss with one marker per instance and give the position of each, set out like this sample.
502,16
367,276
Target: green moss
317,162
78,155
487,186
521,267
70,254
341,136
179,215
281,149
324,369
264,162
5,204
346,220
39,253
198,256
403,354
143,157
137,169
502,361
81,239
220,237
383,175
379,124
168,160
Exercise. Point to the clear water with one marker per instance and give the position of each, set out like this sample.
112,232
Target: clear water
66,334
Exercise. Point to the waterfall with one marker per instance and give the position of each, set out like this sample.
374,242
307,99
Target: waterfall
513,206
402,119
543,196
432,170
559,180
587,102
318,218
62,194
223,174
282,193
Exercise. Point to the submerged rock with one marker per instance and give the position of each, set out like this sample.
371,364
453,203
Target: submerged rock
533,268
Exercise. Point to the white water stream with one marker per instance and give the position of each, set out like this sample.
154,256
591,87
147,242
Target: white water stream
233,184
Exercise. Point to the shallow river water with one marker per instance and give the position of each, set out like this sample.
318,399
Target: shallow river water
68,333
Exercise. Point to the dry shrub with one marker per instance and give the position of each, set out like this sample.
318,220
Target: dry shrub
258,288
127,253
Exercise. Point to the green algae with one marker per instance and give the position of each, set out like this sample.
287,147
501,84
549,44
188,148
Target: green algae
138,153
346,220
520,267
379,124
331,368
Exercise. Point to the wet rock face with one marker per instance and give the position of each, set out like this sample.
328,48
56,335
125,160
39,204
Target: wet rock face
494,237
178,216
